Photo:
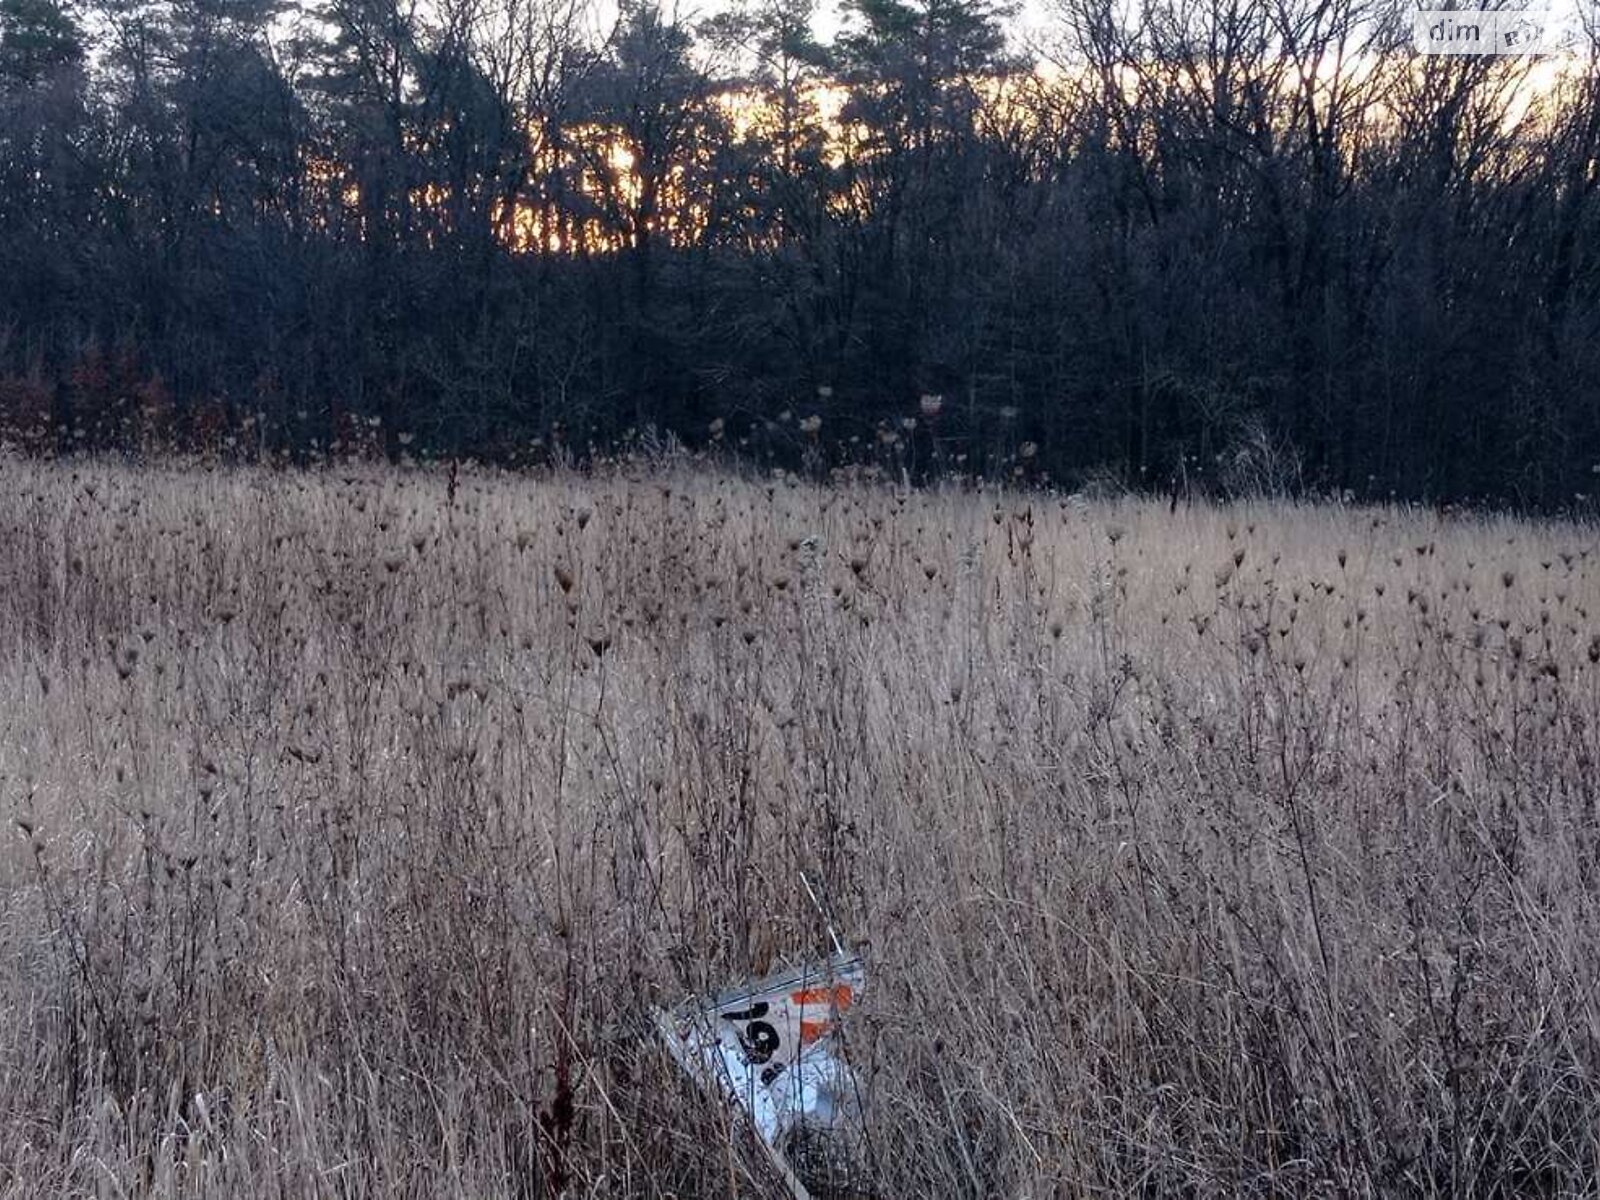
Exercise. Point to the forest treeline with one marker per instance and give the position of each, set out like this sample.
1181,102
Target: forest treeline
1195,244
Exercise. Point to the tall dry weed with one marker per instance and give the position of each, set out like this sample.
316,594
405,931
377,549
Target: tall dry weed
356,818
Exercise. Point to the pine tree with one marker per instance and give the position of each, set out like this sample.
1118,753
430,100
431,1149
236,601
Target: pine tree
38,39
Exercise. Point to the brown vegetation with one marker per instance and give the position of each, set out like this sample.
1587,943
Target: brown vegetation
354,820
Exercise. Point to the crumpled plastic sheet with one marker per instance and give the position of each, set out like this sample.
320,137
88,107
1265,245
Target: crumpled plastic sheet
773,1048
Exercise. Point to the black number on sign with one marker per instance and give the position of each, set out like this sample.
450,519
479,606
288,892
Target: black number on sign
760,1041
758,1009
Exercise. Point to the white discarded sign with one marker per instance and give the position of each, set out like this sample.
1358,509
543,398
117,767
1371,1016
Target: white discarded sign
773,1048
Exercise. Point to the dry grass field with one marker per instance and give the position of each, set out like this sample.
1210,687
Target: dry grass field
354,820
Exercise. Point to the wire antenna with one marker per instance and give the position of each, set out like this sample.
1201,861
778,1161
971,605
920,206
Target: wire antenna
838,946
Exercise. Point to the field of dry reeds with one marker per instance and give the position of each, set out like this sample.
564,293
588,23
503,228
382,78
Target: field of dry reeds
354,820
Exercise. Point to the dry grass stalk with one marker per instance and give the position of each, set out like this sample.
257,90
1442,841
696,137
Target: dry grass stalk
356,820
